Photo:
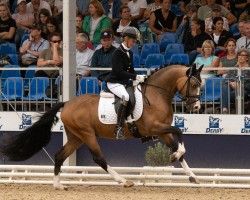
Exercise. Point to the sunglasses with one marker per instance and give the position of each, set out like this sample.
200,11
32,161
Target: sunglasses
56,41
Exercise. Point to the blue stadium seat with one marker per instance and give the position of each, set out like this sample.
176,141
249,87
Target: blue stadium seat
135,49
212,90
10,73
179,59
37,89
136,61
167,38
154,60
7,48
148,48
25,37
234,29
14,58
29,74
172,49
88,85
13,89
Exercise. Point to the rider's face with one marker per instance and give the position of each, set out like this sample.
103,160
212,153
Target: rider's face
130,42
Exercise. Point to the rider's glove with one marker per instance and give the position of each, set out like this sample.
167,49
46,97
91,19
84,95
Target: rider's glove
140,78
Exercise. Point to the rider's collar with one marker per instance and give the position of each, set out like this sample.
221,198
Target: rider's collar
125,48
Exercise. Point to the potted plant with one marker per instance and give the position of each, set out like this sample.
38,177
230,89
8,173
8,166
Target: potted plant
158,156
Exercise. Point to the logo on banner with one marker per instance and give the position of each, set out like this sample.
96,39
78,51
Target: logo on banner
179,123
214,125
246,128
26,122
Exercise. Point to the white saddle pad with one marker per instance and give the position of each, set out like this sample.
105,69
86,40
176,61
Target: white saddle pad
106,109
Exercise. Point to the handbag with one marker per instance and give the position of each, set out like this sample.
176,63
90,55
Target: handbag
5,60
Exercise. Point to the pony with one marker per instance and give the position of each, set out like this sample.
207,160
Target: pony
82,125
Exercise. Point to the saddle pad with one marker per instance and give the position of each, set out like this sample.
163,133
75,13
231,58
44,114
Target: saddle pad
106,109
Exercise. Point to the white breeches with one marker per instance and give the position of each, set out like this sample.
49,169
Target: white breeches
118,89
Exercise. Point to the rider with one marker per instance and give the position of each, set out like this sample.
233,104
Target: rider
122,72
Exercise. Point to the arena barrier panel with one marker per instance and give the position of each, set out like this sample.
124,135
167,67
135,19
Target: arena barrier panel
141,176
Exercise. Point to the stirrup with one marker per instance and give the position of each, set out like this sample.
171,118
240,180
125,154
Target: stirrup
119,134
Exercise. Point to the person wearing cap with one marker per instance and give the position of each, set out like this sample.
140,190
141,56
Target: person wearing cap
122,73
102,57
205,12
24,21
31,48
216,12
7,25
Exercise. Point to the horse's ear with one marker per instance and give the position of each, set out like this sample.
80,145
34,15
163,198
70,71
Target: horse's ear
200,68
192,70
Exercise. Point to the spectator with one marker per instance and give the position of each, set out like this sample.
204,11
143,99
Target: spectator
23,20
111,8
83,55
79,22
241,30
51,57
43,17
83,7
195,38
229,87
56,6
220,36
125,21
244,41
7,25
137,8
31,48
184,27
208,59
163,20
216,12
52,26
114,43
230,59
96,21
156,4
205,12
103,57
36,5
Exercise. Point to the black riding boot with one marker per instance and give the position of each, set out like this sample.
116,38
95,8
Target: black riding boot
120,120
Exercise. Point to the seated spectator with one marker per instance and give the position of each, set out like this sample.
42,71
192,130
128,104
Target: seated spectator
83,55
52,26
111,8
83,7
244,41
230,59
42,19
241,30
23,20
56,6
205,12
51,57
31,48
156,4
125,21
230,85
219,35
36,5
195,38
163,20
245,14
102,58
96,21
7,25
216,12
184,27
208,59
137,8
114,43
79,22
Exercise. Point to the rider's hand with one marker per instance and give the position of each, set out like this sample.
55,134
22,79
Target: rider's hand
140,78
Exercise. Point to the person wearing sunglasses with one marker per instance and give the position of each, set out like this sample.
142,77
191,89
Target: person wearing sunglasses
51,57
230,85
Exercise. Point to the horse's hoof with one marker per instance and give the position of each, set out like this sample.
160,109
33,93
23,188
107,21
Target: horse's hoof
128,184
193,179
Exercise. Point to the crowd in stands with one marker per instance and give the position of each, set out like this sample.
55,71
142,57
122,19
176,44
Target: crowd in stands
205,28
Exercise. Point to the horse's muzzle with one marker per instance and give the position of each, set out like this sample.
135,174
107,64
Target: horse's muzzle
195,106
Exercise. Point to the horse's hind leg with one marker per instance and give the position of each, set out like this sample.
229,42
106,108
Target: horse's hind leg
72,144
99,159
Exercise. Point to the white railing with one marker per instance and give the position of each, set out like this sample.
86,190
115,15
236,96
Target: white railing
147,176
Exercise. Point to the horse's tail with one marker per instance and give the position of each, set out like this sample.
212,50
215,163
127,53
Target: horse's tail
33,139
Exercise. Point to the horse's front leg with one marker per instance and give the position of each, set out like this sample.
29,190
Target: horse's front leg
178,149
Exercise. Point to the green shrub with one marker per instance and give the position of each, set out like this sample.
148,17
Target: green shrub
158,155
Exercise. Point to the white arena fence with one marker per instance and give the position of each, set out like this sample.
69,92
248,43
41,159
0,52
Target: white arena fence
141,176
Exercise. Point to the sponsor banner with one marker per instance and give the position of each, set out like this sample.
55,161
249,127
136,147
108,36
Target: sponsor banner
188,123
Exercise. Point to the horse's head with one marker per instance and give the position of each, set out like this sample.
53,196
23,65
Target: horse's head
189,87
